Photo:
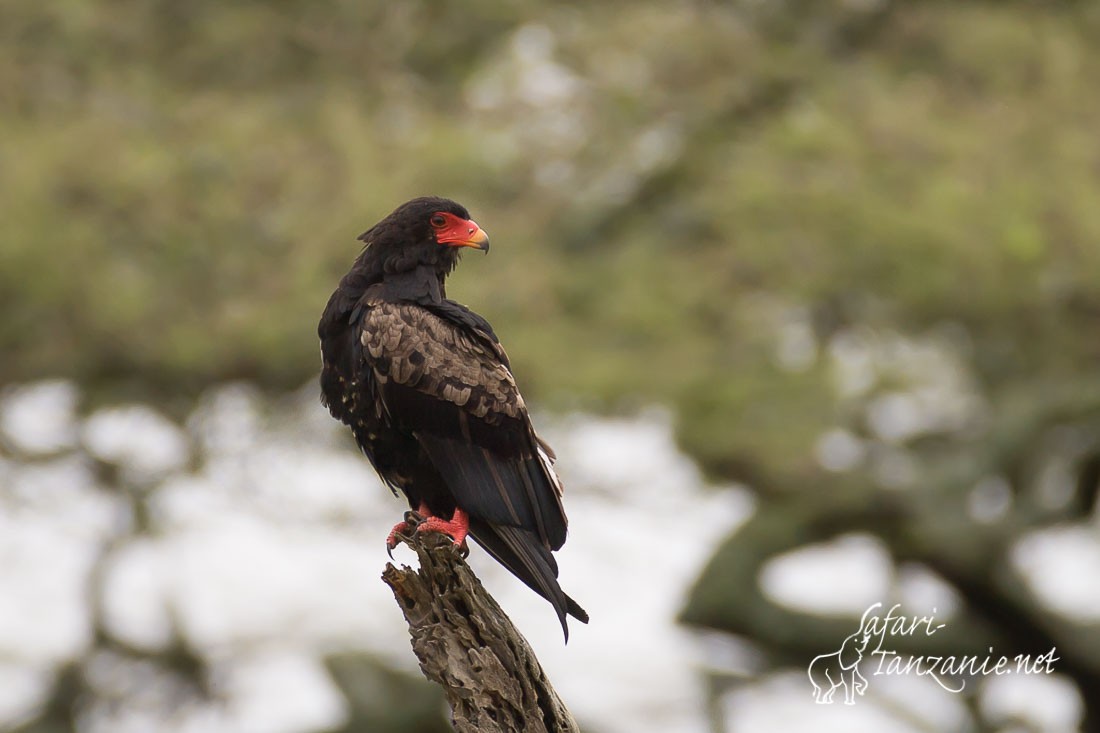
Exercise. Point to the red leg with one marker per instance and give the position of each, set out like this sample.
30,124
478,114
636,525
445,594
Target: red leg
457,527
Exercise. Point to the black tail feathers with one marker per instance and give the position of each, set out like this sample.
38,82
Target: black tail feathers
528,559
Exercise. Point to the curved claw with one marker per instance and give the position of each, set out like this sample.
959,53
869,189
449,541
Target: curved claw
400,530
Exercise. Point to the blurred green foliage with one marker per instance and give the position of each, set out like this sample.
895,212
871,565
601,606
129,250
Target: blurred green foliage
181,186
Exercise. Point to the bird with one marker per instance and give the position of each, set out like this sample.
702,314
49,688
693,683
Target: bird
428,392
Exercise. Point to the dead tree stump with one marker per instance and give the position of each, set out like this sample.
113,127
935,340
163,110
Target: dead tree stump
469,647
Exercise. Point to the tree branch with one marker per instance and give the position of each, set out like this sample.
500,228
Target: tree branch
468,646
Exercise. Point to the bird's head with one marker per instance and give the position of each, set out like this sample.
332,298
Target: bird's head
428,231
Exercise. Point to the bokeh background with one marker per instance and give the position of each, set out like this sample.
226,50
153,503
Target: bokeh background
806,294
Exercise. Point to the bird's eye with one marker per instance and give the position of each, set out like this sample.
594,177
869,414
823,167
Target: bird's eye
438,221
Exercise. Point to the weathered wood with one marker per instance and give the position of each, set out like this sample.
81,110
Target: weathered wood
467,645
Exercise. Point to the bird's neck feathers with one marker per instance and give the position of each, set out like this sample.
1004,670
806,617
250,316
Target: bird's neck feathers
406,273
421,285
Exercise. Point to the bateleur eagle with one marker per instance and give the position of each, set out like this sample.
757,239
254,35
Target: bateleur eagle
430,398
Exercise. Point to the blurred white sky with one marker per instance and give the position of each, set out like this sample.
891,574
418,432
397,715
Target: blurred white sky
268,555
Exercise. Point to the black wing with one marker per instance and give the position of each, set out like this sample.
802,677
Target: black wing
453,391
446,380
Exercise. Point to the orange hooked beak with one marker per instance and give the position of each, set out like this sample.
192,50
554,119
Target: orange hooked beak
459,232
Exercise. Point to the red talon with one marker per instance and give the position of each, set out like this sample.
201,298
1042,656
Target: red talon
405,525
398,529
457,528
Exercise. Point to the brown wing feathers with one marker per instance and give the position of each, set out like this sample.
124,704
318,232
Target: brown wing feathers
462,404
419,349
452,390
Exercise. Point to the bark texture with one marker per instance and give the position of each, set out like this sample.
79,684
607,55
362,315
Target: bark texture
467,645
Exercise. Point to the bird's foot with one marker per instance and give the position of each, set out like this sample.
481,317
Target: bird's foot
408,524
399,530
457,527
422,520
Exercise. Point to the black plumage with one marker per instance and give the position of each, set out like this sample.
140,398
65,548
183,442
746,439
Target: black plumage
428,392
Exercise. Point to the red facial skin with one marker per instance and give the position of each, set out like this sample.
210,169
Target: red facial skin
455,231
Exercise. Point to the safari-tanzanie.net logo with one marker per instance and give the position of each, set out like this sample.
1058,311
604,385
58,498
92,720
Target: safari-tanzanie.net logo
868,653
